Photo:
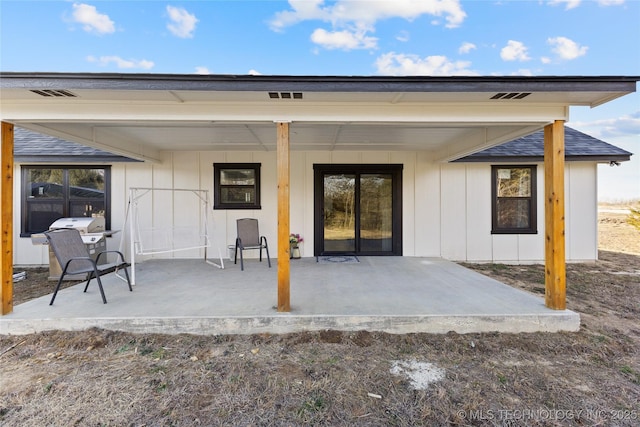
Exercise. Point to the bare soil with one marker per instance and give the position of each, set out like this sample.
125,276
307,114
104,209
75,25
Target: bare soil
587,378
614,233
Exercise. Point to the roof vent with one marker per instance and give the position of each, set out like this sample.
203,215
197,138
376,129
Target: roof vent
285,95
511,95
55,93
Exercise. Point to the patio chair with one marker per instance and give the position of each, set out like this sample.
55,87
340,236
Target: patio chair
74,258
249,238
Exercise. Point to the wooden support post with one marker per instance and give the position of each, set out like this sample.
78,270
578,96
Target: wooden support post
6,220
283,163
555,281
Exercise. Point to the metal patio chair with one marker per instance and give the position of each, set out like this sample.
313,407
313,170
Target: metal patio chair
249,238
74,258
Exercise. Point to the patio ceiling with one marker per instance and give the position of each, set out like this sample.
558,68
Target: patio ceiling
139,116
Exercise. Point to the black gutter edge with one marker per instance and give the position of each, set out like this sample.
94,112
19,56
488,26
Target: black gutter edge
80,159
529,159
218,82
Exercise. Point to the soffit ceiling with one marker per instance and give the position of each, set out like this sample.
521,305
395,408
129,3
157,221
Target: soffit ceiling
189,96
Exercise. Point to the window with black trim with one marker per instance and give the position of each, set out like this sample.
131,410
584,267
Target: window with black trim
50,193
236,186
513,193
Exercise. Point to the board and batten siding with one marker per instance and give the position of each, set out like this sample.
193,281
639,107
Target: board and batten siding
465,212
446,207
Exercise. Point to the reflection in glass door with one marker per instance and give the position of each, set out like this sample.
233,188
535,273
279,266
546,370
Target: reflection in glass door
375,212
355,209
339,213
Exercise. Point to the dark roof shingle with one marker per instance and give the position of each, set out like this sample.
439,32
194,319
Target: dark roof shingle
578,146
30,146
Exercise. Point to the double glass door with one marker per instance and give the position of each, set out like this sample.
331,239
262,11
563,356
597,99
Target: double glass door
358,209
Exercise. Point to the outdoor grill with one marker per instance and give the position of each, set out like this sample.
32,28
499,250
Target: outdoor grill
93,235
91,229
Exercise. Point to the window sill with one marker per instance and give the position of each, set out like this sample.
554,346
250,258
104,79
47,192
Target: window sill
237,207
514,231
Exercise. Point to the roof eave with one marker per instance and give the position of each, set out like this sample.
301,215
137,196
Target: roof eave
218,82
39,159
538,159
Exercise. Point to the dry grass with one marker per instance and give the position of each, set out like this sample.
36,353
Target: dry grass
587,378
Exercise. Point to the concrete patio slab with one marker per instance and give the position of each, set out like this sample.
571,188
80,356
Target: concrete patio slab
389,294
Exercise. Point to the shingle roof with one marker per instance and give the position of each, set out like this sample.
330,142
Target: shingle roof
578,146
29,146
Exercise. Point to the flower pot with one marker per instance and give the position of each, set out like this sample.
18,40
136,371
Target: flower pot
294,252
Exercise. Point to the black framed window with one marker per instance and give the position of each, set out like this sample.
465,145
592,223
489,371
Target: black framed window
513,193
53,192
236,186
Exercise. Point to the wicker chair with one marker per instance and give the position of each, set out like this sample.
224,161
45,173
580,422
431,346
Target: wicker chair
249,238
74,258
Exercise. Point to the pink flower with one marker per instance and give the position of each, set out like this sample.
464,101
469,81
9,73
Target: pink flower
295,238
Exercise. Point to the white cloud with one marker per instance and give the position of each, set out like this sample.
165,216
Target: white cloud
398,64
569,4
403,36
466,47
92,21
545,60
514,51
182,24
344,12
354,19
572,4
627,125
253,72
202,70
522,72
302,10
121,63
345,40
566,48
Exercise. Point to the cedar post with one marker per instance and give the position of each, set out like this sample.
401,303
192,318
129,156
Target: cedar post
283,216
6,220
555,262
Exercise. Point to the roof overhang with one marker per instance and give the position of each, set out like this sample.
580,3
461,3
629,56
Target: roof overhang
605,158
140,115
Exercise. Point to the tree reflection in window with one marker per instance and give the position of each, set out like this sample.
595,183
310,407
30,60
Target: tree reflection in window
513,199
52,193
236,186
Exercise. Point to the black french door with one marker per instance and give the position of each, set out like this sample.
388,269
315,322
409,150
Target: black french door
358,209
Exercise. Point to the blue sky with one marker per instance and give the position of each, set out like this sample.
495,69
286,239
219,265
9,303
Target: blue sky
347,37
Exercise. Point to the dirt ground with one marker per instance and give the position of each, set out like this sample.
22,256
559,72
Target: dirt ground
614,233
588,378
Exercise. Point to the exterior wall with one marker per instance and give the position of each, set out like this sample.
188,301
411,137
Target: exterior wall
446,207
465,216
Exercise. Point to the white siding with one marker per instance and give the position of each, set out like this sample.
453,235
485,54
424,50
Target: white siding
427,207
453,239
478,221
505,248
582,212
446,207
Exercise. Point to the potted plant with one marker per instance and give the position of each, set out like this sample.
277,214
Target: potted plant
294,245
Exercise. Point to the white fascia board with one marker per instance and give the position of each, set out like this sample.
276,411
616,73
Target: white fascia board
63,110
